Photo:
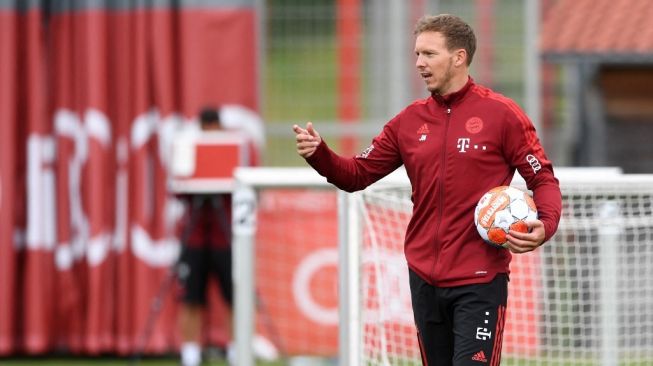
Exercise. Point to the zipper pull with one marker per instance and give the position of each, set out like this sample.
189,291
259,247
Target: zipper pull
448,110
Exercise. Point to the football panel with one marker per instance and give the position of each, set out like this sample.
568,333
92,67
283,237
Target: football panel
532,215
503,219
497,203
519,226
515,193
530,202
496,236
519,209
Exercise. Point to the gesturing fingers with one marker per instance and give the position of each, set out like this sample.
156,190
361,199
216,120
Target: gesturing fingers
298,130
307,139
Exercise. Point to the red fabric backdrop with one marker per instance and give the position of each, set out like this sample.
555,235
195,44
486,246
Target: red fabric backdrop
86,220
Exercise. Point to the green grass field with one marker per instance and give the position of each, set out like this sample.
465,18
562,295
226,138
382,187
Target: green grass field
57,361
173,361
109,361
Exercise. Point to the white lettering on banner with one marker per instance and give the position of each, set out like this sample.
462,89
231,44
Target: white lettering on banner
41,224
156,253
308,267
392,287
98,248
68,124
79,243
143,127
164,251
95,126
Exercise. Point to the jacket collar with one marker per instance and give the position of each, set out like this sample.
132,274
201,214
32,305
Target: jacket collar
454,97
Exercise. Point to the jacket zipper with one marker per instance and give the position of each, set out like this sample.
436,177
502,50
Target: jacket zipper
441,197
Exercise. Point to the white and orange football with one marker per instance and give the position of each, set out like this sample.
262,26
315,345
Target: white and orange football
502,209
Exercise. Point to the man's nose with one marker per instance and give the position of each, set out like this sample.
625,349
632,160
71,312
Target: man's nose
419,62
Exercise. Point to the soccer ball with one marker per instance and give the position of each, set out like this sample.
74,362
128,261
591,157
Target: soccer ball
502,209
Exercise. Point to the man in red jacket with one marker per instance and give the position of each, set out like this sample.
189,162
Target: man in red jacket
455,145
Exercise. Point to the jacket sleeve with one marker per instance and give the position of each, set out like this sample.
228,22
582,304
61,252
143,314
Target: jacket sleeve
525,153
355,173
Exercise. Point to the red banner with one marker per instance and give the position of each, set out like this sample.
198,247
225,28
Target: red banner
9,176
86,220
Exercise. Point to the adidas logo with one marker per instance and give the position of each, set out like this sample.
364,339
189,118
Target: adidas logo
479,356
423,130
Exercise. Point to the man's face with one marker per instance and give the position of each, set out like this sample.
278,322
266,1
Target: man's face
434,62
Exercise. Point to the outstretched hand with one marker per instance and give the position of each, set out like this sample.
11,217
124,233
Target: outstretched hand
307,140
525,242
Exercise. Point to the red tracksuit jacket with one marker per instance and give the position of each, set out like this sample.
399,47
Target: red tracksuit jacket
455,148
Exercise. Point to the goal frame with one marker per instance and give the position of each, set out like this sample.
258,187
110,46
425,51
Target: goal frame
250,180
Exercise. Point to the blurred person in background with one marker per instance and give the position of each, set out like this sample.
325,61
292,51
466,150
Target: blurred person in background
205,234
458,143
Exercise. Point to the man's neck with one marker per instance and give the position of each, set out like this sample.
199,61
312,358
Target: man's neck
457,83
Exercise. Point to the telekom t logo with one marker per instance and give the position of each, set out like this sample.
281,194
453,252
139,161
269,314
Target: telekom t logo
483,333
463,144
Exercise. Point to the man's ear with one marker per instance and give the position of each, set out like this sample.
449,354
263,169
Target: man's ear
460,57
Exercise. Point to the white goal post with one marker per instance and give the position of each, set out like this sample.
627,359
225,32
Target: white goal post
585,298
249,183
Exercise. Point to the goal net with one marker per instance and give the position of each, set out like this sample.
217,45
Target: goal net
584,298
323,274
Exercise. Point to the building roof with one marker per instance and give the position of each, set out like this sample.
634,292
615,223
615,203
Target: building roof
609,31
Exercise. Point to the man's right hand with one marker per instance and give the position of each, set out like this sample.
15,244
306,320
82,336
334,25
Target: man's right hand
307,140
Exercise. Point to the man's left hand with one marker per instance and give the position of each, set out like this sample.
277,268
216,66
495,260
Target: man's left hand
526,242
